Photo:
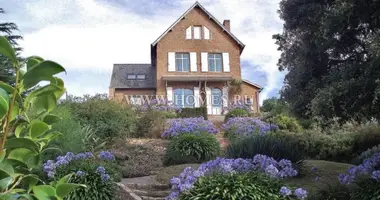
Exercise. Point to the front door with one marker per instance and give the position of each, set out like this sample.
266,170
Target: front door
216,101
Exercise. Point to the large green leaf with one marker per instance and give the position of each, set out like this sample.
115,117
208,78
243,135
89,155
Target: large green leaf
16,143
50,119
64,189
2,155
42,71
7,167
6,197
30,181
37,128
5,182
7,50
50,136
14,112
4,174
19,130
44,192
4,103
18,164
33,61
45,102
10,90
45,90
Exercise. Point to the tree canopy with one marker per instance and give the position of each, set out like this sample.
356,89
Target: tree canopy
331,50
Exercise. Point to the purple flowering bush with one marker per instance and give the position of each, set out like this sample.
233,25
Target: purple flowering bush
190,179
98,172
238,105
158,105
246,126
196,125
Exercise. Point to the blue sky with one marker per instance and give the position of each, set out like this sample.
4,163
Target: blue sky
88,36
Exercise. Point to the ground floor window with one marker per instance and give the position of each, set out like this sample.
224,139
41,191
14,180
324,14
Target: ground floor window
136,100
184,98
216,97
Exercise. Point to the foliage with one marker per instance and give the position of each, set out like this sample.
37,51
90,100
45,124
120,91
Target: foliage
286,123
367,136
23,138
237,112
151,124
109,119
191,148
239,105
183,183
162,105
267,145
333,192
98,173
234,186
196,125
331,51
7,72
193,112
235,86
367,154
91,141
246,126
275,106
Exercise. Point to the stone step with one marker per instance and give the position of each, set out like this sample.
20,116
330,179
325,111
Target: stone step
152,198
149,193
149,187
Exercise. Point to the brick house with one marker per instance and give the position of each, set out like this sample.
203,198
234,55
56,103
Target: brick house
192,63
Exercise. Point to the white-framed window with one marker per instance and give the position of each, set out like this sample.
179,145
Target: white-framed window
184,98
215,62
141,76
136,100
131,76
197,32
182,62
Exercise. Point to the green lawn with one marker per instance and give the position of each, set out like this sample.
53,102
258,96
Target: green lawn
326,171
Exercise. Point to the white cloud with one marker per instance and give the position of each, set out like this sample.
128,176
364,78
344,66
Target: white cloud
92,36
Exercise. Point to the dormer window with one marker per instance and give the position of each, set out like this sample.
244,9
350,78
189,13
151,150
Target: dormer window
141,76
131,76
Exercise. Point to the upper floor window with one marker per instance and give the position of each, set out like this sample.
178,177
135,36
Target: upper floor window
197,32
215,62
141,76
182,62
131,76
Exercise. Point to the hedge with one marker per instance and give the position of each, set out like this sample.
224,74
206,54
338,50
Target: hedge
193,112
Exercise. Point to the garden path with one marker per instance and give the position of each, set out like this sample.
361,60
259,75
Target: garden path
145,188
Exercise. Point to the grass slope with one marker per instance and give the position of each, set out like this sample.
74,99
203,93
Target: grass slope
326,172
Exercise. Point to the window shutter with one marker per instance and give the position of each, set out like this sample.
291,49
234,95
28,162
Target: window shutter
226,62
225,97
204,62
196,97
188,33
206,33
169,94
171,61
193,61
208,100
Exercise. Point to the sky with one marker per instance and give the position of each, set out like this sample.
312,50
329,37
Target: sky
88,36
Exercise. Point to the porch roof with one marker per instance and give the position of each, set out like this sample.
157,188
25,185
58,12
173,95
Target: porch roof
187,78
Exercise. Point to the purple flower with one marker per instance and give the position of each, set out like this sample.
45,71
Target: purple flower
100,170
376,175
314,169
246,126
105,177
300,193
106,155
80,173
271,170
284,191
194,125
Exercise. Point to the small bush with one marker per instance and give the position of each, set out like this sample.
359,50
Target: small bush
109,119
286,123
151,124
366,154
193,112
238,112
367,136
266,145
245,126
196,125
191,148
235,186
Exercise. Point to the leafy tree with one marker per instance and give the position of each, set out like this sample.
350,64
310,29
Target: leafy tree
275,106
331,50
7,29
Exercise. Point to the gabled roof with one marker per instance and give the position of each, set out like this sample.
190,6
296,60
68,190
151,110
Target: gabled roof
253,84
120,72
197,4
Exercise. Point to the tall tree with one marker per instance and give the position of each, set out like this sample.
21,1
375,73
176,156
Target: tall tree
7,29
331,50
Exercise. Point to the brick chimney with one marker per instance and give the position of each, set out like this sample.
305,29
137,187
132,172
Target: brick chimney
226,24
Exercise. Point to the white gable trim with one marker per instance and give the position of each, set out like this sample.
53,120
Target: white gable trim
253,84
210,16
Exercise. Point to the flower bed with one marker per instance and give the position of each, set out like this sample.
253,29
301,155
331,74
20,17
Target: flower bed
158,105
239,105
260,163
194,125
246,126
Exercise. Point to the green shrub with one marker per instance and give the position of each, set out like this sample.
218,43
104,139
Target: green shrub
367,136
191,148
151,124
333,192
237,112
193,112
266,145
286,123
235,186
96,189
109,119
368,189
